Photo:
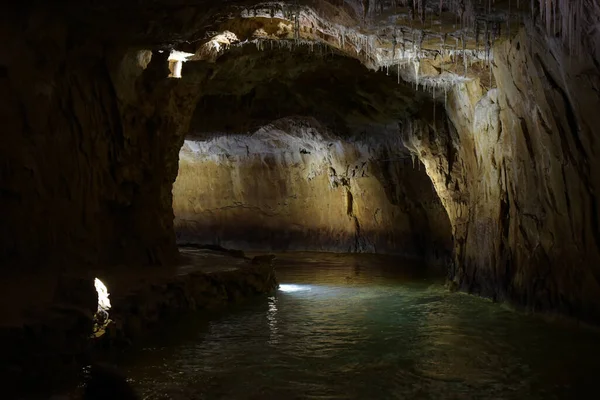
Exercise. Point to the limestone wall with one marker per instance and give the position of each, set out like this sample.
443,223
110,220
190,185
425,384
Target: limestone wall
93,128
89,148
517,171
289,187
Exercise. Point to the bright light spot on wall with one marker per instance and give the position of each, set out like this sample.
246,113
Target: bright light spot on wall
216,45
101,319
293,288
179,55
176,60
143,58
223,40
103,300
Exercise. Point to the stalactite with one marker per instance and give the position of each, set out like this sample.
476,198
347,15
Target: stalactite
560,18
442,44
464,54
394,43
445,97
565,17
486,37
509,15
434,102
417,65
477,35
456,53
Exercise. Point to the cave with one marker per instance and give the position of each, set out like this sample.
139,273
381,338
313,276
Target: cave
298,150
166,157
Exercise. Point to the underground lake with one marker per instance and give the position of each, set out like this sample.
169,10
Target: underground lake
359,327
320,199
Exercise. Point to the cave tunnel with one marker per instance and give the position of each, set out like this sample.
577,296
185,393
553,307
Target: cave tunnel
343,183
323,168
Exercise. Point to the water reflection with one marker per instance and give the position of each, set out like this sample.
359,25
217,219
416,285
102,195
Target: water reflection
365,327
286,287
272,318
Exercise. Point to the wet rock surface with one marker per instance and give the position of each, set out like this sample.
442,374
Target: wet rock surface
44,346
207,279
514,172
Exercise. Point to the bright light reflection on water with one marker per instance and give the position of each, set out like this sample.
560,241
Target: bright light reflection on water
286,287
365,327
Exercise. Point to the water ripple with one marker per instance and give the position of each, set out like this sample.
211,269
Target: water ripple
366,327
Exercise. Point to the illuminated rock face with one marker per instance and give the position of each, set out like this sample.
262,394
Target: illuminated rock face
517,174
94,128
290,186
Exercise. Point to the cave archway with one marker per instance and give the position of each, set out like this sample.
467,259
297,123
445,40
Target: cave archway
94,126
300,148
98,139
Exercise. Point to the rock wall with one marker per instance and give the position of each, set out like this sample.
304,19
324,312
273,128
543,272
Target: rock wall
291,186
89,150
46,351
517,172
93,128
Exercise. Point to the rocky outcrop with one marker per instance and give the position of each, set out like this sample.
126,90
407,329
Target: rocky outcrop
516,172
207,280
90,153
293,186
94,128
47,340
45,329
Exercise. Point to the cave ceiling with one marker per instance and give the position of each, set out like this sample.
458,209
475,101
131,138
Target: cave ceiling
259,61
248,88
436,42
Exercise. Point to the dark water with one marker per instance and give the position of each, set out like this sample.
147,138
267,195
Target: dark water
366,327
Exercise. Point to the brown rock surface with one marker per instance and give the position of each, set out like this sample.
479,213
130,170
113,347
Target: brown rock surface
89,151
516,173
47,320
291,186
93,126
